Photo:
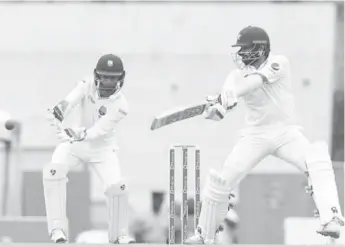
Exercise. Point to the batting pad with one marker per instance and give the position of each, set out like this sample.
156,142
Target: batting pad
322,179
117,202
214,206
54,183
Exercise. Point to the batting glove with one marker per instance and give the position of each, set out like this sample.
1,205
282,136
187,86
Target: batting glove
71,134
214,112
228,99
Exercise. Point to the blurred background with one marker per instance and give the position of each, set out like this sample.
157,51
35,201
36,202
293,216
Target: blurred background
175,53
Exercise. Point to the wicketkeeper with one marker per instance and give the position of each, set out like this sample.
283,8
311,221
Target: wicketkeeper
101,106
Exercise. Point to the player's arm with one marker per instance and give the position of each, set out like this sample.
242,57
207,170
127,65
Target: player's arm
229,96
108,122
115,112
249,84
270,73
61,110
230,93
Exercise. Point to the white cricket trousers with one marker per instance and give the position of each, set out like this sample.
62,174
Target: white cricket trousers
284,142
103,161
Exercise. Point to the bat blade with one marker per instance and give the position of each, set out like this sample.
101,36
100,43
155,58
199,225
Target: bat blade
177,115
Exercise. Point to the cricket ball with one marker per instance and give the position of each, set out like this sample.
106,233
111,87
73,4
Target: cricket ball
10,124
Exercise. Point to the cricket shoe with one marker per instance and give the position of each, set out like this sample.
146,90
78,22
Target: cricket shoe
125,240
194,240
332,229
58,236
199,239
216,237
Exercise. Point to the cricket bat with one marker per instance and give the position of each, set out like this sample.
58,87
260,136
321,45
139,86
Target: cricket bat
177,115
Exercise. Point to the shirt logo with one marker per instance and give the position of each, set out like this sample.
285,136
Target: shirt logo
102,111
275,66
52,172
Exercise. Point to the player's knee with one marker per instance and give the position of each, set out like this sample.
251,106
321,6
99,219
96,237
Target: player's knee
116,189
55,172
232,165
233,171
317,157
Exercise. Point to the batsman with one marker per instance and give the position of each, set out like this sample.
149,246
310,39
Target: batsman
101,106
262,80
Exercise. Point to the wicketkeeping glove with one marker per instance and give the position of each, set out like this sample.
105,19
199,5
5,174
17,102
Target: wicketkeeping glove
55,116
71,134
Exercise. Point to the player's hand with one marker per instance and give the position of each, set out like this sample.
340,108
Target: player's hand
76,134
71,134
57,112
212,99
61,134
214,112
53,121
55,115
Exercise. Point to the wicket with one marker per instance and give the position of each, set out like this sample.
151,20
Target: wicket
184,204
